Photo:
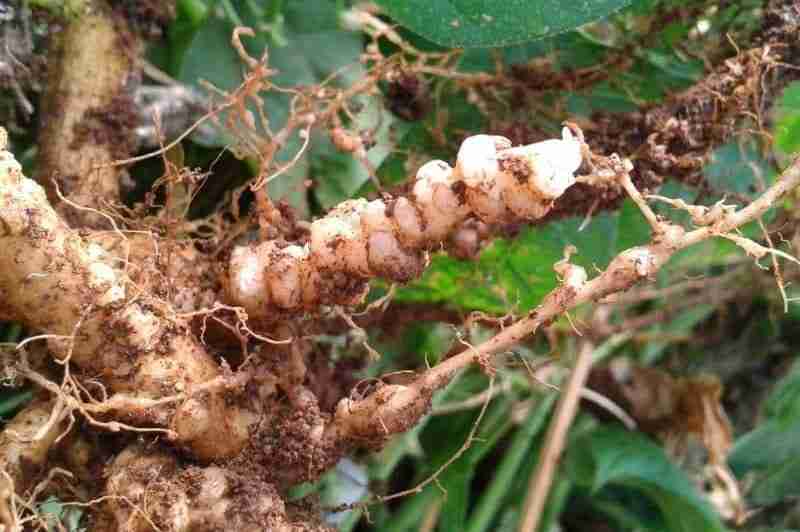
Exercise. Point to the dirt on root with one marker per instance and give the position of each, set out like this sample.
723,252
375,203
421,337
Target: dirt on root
287,448
147,17
518,167
108,125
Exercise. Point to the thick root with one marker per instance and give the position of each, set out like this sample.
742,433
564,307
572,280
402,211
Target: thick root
25,442
170,270
57,281
88,112
24,446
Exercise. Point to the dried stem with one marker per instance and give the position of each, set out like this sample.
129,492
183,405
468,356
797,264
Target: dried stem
567,407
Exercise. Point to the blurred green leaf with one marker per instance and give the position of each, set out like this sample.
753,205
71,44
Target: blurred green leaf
59,516
738,168
437,450
11,400
339,175
673,67
612,457
681,324
768,454
422,341
11,332
787,133
787,127
773,446
468,23
771,443
416,138
569,50
346,484
783,402
457,478
211,58
408,443
777,483
413,509
189,18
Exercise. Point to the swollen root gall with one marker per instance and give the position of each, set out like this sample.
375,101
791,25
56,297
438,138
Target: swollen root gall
493,182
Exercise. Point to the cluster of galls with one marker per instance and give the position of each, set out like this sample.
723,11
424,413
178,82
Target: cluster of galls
359,239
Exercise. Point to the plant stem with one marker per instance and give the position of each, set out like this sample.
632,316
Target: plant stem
540,481
493,497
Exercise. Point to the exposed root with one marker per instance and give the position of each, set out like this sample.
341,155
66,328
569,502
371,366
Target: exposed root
390,237
88,111
25,442
149,490
127,313
73,289
398,407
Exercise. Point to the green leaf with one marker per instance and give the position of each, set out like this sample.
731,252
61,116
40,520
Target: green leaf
339,175
480,23
346,484
775,443
11,332
189,18
411,512
784,400
773,447
557,499
457,478
787,127
769,444
680,325
739,168
615,458
60,516
408,443
787,133
11,400
778,483
427,340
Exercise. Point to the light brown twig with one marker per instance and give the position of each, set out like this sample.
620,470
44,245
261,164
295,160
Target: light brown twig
567,407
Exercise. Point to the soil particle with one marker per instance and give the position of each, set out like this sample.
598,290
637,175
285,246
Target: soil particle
518,167
286,449
339,286
109,125
459,188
